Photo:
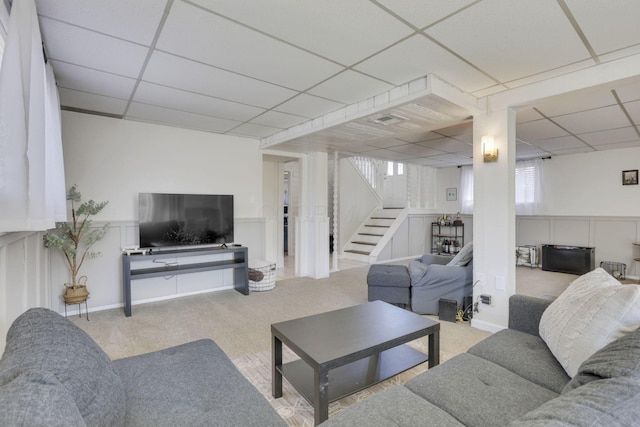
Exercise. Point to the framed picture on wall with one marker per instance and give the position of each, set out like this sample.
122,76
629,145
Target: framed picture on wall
630,177
452,193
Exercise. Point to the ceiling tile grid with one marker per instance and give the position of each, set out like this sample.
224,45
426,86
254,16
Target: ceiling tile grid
257,69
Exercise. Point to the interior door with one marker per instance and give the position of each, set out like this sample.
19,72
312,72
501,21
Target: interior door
395,186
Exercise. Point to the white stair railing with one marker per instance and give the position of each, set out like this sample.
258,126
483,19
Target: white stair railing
372,170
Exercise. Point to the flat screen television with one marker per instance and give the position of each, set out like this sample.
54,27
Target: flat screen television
171,220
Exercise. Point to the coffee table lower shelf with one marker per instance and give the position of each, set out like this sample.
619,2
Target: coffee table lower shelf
355,376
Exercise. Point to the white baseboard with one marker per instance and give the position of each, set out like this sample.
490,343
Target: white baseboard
486,326
144,301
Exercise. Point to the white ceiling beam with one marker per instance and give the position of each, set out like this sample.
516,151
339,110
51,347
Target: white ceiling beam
597,75
400,95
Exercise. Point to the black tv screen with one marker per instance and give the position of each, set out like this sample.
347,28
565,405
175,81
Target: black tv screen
184,219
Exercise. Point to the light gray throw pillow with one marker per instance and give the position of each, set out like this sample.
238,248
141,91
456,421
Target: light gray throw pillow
463,257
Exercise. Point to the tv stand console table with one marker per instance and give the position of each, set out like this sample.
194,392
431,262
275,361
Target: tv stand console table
238,262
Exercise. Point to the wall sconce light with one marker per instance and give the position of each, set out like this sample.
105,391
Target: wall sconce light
489,150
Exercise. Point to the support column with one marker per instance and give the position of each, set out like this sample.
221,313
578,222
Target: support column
336,211
312,225
494,219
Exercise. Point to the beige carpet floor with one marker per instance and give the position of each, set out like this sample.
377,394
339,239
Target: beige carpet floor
240,325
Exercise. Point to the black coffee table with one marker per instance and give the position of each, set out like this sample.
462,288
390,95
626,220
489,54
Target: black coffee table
347,350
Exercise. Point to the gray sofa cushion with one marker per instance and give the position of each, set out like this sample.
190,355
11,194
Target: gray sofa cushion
621,358
607,402
193,384
523,354
478,392
41,340
396,406
36,398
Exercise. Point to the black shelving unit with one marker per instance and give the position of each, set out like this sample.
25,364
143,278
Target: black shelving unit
239,264
446,239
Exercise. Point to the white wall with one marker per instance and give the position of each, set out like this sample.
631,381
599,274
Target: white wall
114,160
585,205
591,184
587,184
447,178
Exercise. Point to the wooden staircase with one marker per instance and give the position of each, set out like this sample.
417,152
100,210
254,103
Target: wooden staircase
370,233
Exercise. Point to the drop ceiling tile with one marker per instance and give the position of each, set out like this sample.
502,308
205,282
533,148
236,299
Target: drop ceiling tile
357,148
536,37
78,46
448,145
529,151
416,150
628,91
254,131
561,143
573,151
71,76
429,161
90,102
528,115
594,120
170,70
539,129
574,102
618,145
384,143
278,120
453,159
308,106
549,74
592,17
419,137
343,31
611,136
196,34
136,21
456,130
175,99
419,56
388,155
153,114
633,108
424,12
350,87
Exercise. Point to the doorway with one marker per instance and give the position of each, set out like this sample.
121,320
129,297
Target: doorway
394,193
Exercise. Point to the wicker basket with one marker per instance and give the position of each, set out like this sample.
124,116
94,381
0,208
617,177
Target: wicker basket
268,271
78,294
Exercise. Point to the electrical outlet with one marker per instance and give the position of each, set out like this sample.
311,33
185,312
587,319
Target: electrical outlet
485,299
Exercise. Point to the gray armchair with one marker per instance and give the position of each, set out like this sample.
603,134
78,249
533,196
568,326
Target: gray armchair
432,279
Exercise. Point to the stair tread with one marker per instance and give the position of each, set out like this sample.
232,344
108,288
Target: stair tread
371,234
382,217
359,242
375,225
353,251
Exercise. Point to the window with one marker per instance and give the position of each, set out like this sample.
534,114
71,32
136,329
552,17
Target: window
529,196
394,168
529,187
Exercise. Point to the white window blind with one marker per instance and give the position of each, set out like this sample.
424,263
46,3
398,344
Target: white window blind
528,182
529,187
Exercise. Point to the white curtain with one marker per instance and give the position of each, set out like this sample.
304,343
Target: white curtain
32,187
466,190
529,188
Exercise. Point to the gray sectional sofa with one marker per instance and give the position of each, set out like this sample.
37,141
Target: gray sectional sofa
512,378
53,374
